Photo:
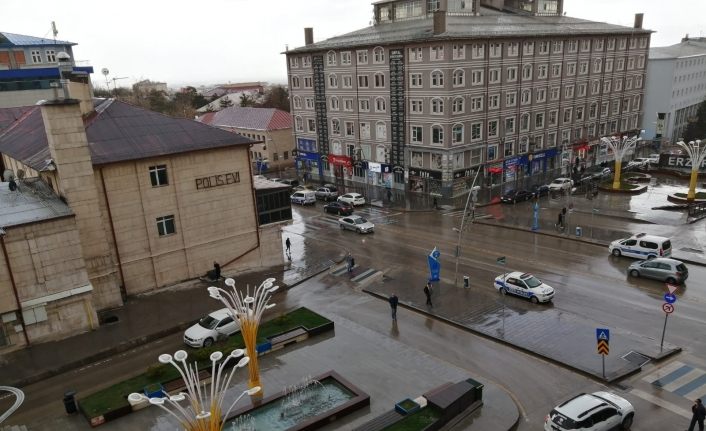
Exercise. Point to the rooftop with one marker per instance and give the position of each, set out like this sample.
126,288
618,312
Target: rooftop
33,201
491,24
117,132
12,39
249,118
686,48
261,183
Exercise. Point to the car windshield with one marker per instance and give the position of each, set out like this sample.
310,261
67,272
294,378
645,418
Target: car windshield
562,421
557,181
532,281
360,220
208,322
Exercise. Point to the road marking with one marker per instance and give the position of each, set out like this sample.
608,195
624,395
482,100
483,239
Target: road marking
662,372
364,275
677,383
662,403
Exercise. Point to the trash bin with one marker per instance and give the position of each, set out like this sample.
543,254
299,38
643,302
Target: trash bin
466,282
579,231
70,402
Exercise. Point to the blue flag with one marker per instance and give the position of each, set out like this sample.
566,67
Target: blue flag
434,265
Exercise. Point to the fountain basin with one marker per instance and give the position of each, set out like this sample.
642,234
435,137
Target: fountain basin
335,397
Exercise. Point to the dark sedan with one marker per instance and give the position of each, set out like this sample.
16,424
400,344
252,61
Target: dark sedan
338,207
542,190
514,196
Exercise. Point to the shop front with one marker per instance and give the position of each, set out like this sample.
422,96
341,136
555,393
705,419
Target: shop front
541,161
342,167
463,179
424,181
494,174
515,168
379,174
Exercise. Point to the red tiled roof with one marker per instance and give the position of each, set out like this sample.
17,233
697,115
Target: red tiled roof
118,132
249,118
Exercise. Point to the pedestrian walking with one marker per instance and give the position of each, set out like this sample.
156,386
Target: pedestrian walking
427,292
288,245
352,264
389,195
436,204
699,414
560,221
393,305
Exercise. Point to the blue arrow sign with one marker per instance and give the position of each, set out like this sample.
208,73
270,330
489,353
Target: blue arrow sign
670,298
602,334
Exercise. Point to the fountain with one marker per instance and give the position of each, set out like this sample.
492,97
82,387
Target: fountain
309,404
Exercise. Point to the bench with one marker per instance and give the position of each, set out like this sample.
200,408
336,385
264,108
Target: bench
178,385
289,337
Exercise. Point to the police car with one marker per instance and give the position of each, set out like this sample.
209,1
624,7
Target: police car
525,285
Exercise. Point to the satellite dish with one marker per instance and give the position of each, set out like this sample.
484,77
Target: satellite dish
8,175
105,71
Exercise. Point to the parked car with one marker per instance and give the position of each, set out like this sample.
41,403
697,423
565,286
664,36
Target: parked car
356,223
599,411
514,196
561,184
215,326
525,285
292,183
340,208
326,193
653,159
354,199
642,246
664,269
303,197
540,190
640,162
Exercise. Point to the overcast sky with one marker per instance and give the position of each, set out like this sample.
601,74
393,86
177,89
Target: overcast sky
218,41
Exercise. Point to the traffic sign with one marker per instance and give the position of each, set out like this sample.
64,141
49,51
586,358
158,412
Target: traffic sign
603,348
602,334
501,260
671,287
668,308
669,298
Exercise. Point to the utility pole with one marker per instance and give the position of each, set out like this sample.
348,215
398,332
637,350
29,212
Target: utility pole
115,88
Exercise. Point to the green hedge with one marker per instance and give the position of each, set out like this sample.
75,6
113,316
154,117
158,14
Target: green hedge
115,397
417,420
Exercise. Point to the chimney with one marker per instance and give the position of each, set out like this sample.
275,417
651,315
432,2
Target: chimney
638,20
685,38
440,18
308,36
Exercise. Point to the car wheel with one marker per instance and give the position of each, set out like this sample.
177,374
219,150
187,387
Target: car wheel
650,257
359,231
627,422
503,291
208,342
342,227
634,273
671,280
534,300
616,252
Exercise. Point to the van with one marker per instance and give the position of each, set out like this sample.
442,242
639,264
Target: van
642,246
303,197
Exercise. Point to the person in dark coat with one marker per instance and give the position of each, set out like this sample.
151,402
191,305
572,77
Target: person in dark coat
699,414
288,245
393,305
427,292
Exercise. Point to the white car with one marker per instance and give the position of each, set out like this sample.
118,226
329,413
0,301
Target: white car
639,162
216,326
356,223
654,159
525,285
354,199
561,184
599,411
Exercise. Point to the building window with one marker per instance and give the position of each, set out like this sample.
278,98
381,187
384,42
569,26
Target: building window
573,46
309,102
379,55
510,125
350,129
544,47
494,75
416,133
606,86
608,65
348,104
581,90
293,62
569,92
526,97
496,50
553,117
165,225
437,106
380,104
510,98
416,106
512,49
492,152
306,61
311,124
347,81
512,74
308,82
476,131
330,58
362,57
299,124
415,54
568,113
524,122
523,145
346,58
457,134
158,175
334,103
335,126
457,106
620,65
297,102
541,95
379,80
539,120
492,128
477,51
579,113
459,51
36,56
364,105
295,82
597,65
571,69
436,52
557,46
437,135
437,78
380,131
494,101
363,81
526,72
508,148
51,56
528,48
556,70
415,80
332,81
477,103
554,93
459,78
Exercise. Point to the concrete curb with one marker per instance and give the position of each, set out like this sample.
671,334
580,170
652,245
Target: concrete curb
127,345
618,377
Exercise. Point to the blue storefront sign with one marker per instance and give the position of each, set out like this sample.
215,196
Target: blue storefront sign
308,163
306,145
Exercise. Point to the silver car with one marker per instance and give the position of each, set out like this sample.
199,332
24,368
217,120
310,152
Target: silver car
664,269
356,223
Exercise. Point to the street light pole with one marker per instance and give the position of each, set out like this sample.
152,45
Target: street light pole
620,146
697,153
472,192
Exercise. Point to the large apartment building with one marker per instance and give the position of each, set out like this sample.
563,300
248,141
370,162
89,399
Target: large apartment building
436,90
676,86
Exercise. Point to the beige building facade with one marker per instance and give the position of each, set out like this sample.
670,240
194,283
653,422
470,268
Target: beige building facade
515,90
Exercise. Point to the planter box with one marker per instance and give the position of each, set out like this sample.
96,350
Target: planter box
155,390
407,406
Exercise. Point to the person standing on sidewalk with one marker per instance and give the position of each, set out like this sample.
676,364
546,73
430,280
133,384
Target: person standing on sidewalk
288,245
699,414
427,292
393,305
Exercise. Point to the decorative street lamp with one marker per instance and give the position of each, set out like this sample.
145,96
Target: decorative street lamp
203,412
620,145
248,311
697,153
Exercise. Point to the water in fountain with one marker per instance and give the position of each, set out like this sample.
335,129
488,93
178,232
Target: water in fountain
243,423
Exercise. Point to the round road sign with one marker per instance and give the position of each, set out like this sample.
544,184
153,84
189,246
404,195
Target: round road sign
670,298
668,308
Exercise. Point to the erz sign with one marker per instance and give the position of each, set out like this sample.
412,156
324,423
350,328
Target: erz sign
678,161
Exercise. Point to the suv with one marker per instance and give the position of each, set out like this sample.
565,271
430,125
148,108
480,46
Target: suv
326,193
599,411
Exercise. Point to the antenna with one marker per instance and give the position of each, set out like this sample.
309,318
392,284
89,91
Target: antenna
54,30
105,73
